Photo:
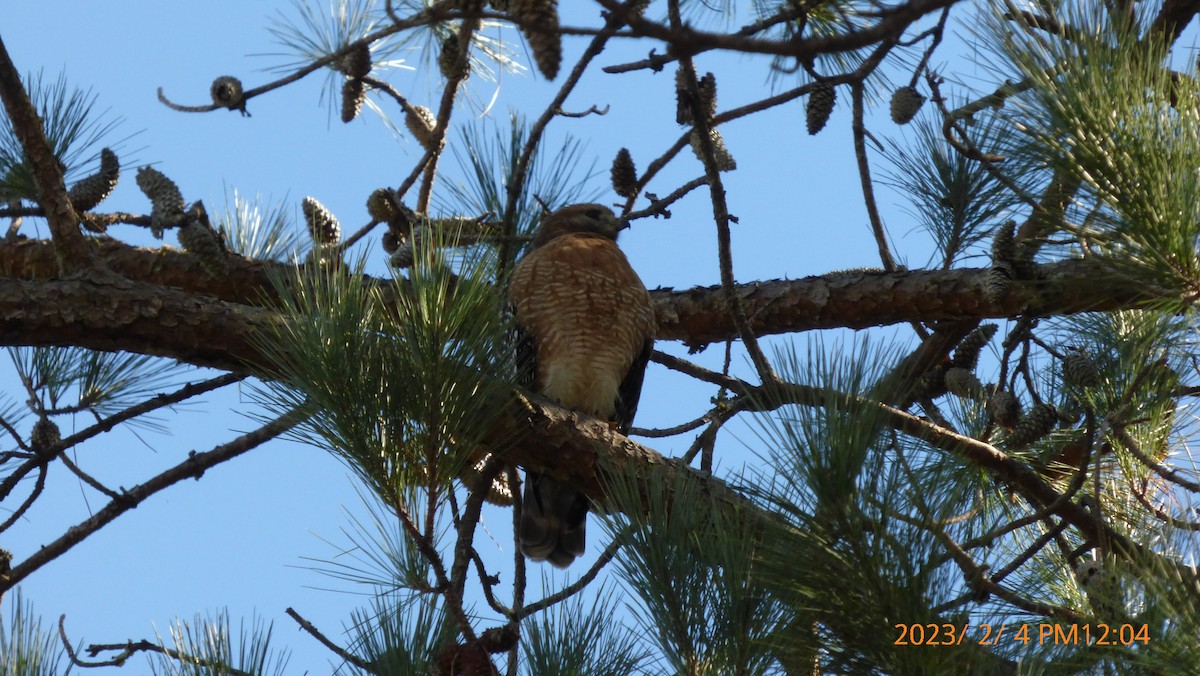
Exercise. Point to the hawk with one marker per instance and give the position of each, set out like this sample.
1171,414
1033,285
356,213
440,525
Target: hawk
585,328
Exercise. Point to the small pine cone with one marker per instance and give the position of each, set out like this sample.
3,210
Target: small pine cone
380,205
1004,244
167,202
323,226
996,282
683,105
725,161
706,87
1005,409
539,23
356,63
708,93
624,174
1079,369
44,436
454,66
354,93
92,190
963,383
1040,421
402,257
906,101
967,354
820,106
421,123
227,92
205,244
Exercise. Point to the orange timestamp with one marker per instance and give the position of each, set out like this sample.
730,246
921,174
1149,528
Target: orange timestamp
1028,633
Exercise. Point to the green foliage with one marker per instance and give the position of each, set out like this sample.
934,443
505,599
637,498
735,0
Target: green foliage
322,27
71,124
572,638
822,19
68,380
849,557
256,232
206,647
956,199
401,634
26,647
691,563
1106,107
403,380
376,550
489,155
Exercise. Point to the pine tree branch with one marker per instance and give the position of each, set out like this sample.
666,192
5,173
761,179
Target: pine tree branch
1172,18
70,250
892,22
146,312
193,467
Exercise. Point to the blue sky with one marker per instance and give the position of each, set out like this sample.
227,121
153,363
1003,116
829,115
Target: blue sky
239,537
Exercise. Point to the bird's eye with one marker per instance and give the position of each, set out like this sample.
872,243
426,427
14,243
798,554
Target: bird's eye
593,214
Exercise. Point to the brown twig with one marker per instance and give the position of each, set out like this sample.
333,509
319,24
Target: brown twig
323,640
193,467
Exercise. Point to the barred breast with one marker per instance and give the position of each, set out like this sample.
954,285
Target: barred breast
589,315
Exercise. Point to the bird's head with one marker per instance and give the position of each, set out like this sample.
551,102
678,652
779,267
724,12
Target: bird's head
595,219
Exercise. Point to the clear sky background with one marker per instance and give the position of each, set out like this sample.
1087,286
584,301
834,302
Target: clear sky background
242,537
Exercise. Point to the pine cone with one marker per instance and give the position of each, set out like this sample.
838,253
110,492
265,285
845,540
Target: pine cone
1005,409
198,238
454,66
356,63
624,174
1004,244
538,21
820,106
996,282
380,205
706,87
906,102
44,436
708,93
165,199
323,226
1038,423
227,92
966,356
1079,369
725,161
421,123
354,93
92,190
963,383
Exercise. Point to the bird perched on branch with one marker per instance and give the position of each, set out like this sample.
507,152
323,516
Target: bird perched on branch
585,328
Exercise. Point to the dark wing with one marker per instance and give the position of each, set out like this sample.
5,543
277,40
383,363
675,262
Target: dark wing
524,353
630,390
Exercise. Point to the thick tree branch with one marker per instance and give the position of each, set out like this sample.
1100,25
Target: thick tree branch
211,323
